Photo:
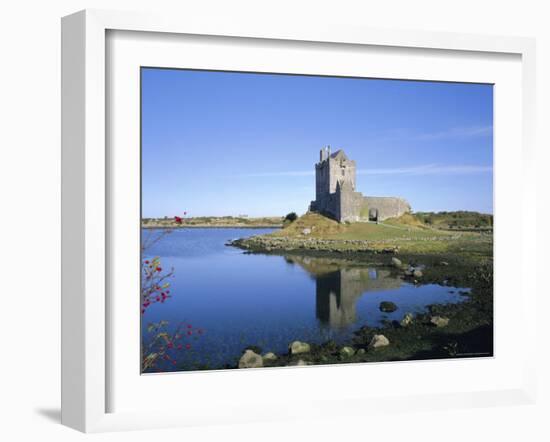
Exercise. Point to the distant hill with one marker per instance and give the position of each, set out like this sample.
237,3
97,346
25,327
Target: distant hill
212,221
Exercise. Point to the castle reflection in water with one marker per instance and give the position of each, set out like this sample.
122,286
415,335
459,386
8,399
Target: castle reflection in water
339,287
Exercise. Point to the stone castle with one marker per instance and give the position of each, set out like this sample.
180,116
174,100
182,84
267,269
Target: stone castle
335,194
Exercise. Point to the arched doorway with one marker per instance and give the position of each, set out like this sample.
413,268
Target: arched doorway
373,215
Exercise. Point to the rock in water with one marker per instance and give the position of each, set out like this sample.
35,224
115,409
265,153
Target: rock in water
347,352
298,347
396,262
250,360
407,320
387,307
439,321
379,341
270,356
417,273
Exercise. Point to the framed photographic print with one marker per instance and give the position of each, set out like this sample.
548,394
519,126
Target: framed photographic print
296,212
258,275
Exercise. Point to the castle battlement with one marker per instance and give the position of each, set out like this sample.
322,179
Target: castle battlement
336,197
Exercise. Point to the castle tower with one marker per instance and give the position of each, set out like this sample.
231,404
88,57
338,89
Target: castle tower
331,169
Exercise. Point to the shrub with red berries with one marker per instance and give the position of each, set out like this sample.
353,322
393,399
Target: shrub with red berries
161,349
154,283
164,348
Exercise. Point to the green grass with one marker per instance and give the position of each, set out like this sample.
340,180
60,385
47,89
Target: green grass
456,220
319,225
374,232
406,233
326,228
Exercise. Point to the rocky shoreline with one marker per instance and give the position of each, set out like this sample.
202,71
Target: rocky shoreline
266,244
457,330
439,334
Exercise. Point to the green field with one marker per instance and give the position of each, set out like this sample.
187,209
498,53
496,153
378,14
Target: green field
460,220
407,233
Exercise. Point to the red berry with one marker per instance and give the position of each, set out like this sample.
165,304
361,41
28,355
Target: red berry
159,269
187,346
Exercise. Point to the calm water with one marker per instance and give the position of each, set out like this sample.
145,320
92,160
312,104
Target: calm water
242,299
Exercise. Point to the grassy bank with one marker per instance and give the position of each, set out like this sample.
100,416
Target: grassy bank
313,233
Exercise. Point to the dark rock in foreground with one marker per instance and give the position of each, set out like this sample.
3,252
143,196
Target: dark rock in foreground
388,307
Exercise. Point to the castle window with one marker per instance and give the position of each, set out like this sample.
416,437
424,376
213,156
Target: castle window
343,172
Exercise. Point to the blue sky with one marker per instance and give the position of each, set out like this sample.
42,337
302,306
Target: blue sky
219,143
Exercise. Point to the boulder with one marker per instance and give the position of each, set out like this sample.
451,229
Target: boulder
439,321
298,347
387,307
269,357
306,231
347,352
250,360
396,262
407,320
379,341
417,273
444,263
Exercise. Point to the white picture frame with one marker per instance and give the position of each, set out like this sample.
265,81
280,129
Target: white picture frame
85,213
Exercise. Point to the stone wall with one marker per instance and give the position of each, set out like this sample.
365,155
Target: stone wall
341,170
348,204
326,205
387,206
